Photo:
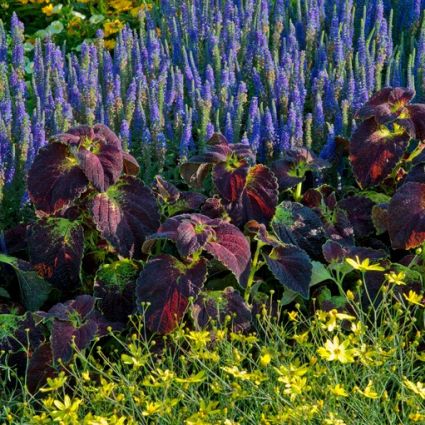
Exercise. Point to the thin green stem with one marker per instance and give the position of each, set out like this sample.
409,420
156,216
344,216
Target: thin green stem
298,192
255,266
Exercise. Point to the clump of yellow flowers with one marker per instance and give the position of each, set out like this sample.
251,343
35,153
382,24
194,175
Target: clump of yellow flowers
333,367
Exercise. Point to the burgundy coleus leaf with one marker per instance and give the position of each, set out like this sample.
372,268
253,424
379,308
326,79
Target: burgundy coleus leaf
56,247
218,151
359,211
229,179
417,172
321,198
215,306
413,119
406,216
55,180
74,321
176,200
213,208
98,151
222,240
125,214
386,105
297,224
375,150
292,267
230,247
40,367
338,227
167,284
130,164
291,169
258,198
335,252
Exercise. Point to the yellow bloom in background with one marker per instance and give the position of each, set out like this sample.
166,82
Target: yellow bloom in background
334,350
110,44
338,390
121,5
414,298
112,27
48,10
417,388
364,266
333,420
417,417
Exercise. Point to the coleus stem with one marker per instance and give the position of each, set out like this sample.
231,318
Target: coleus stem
255,266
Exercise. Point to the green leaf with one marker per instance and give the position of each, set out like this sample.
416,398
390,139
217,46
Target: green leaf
319,273
4,293
34,289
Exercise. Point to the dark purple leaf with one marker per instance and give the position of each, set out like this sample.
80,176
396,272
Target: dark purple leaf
386,105
292,267
213,208
297,224
217,305
258,199
125,215
359,211
375,151
54,179
230,179
231,248
167,284
130,164
406,216
56,248
337,253
40,367
415,119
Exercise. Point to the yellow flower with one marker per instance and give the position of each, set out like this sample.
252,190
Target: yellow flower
296,386
121,5
293,316
334,350
333,315
48,10
333,420
152,408
417,388
200,338
194,379
265,359
417,417
110,44
302,338
338,390
288,372
112,27
364,266
65,409
368,392
54,383
414,298
396,278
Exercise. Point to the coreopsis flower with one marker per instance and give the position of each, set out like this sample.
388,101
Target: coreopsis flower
338,390
396,278
336,351
364,266
333,316
48,10
414,298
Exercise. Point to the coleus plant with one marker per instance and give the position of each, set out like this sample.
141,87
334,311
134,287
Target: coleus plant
89,203
387,149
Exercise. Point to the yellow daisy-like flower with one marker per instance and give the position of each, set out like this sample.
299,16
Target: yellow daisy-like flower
151,408
48,10
112,27
364,266
396,278
417,417
336,351
338,390
121,5
414,298
333,316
